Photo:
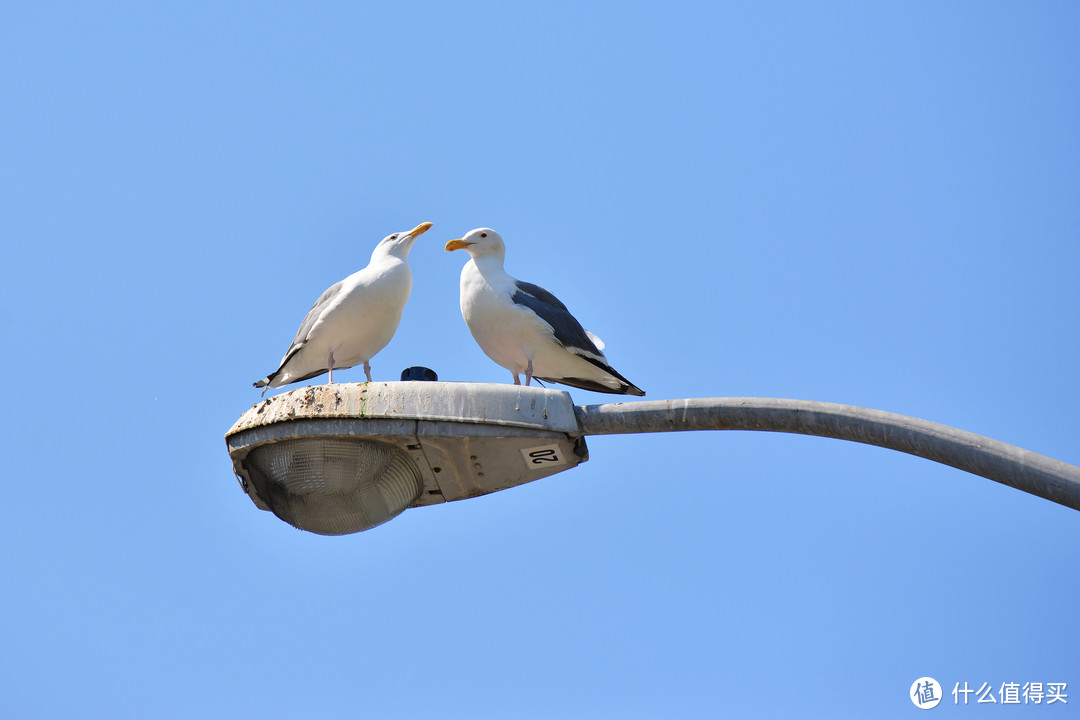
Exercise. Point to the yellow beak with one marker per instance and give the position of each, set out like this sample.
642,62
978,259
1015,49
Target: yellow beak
419,229
457,244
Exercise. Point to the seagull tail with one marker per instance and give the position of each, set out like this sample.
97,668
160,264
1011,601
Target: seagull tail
270,380
628,388
625,386
264,384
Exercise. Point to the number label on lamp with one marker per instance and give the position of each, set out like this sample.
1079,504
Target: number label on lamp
544,456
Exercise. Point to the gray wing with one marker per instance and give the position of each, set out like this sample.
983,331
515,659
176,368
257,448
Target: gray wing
568,330
313,314
573,337
302,334
539,293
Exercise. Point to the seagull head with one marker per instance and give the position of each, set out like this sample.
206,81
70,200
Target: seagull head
400,243
481,242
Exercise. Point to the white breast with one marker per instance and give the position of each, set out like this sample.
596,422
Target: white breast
507,333
365,316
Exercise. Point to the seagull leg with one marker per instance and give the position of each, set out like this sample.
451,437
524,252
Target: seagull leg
367,370
528,373
330,364
517,380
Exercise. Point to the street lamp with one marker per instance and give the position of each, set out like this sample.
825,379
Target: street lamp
337,459
342,458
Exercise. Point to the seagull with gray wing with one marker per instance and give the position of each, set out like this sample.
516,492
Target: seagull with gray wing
525,328
354,319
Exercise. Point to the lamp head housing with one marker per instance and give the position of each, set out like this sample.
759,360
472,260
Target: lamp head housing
342,458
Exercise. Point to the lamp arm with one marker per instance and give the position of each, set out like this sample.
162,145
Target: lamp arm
1007,464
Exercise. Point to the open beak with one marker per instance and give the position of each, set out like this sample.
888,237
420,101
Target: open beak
419,230
457,244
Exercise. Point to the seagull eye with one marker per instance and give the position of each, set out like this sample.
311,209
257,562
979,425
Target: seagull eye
393,237
483,234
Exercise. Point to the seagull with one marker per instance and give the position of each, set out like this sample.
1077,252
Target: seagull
525,328
354,319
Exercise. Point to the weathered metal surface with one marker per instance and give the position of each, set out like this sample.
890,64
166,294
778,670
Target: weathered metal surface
1007,464
467,439
488,403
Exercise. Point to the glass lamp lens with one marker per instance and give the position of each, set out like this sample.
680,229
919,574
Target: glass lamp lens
334,486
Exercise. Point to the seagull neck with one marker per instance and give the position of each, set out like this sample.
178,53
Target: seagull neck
488,264
401,252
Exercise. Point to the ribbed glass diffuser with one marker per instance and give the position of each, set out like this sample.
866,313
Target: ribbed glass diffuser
334,486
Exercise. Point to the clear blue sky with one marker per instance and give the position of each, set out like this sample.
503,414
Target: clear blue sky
859,203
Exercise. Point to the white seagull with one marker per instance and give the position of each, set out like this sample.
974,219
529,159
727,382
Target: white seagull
354,319
525,328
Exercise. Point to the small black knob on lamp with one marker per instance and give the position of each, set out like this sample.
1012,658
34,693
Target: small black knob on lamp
421,374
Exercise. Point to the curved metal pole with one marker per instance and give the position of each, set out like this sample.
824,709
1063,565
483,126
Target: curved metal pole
1007,464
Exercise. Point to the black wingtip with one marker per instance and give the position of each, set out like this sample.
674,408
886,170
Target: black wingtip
627,389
